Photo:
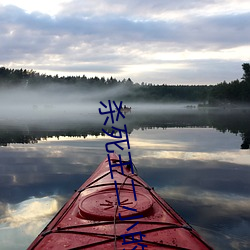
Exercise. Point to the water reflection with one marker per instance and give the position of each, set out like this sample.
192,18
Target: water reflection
233,121
29,210
20,222
194,164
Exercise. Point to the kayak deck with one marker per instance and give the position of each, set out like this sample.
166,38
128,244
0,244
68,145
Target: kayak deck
94,218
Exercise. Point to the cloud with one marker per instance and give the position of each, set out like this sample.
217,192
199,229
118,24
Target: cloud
147,9
92,37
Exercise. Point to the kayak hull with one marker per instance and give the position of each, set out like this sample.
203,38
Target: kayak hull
122,212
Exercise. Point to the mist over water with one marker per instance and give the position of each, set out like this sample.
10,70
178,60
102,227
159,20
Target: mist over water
191,156
60,102
61,107
55,102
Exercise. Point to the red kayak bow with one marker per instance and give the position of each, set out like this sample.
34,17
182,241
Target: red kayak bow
111,213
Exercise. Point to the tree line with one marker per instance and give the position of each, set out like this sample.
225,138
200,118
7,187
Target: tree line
236,91
231,121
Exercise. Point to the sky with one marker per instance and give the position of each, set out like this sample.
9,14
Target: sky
153,41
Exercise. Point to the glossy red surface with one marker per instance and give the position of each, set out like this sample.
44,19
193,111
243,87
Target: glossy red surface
90,219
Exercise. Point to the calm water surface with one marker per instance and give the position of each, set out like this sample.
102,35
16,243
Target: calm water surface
193,159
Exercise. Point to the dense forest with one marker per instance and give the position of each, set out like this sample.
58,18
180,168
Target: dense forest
234,92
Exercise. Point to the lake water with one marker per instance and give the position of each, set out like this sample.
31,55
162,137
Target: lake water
197,160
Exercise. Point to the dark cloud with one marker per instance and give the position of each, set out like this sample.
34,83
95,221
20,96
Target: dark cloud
224,30
109,39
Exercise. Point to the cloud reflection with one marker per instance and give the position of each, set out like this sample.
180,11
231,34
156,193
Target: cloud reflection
221,213
223,156
29,212
198,171
22,222
196,144
228,203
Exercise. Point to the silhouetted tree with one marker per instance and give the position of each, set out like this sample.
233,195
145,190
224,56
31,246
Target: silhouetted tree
246,69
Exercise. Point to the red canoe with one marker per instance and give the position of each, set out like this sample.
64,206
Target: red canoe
95,219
